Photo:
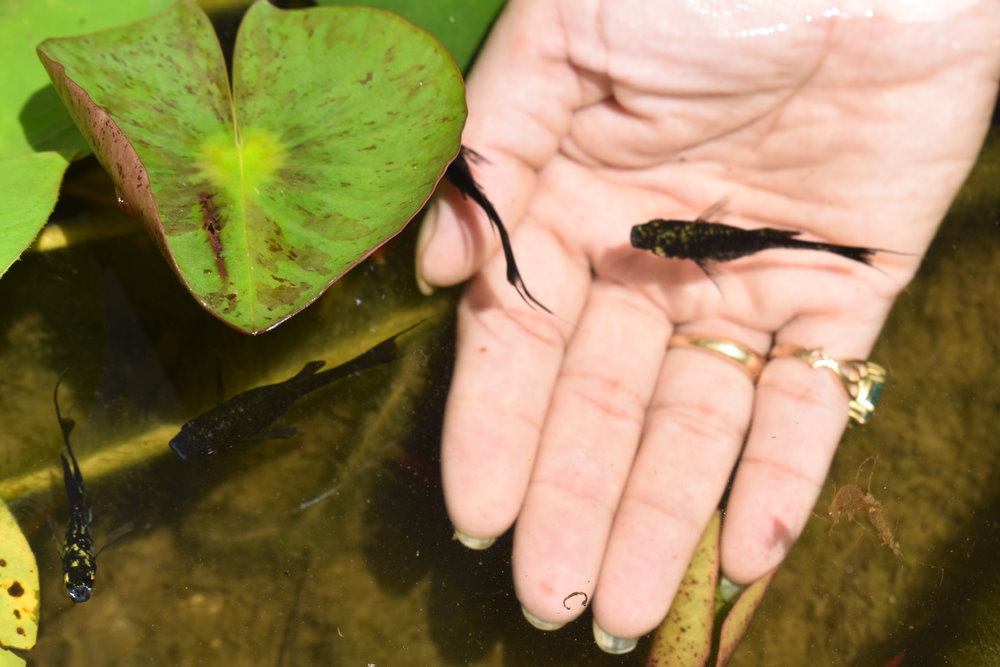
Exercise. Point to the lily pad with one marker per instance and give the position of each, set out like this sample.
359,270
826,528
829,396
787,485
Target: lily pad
37,136
459,24
337,127
18,587
35,179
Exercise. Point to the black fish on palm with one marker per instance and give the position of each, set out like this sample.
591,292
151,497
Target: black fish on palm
460,175
249,415
706,243
79,561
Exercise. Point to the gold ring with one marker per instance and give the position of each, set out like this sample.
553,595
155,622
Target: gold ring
742,357
862,380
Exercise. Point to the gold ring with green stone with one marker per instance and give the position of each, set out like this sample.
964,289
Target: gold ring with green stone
862,380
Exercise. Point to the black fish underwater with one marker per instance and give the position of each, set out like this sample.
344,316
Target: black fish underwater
707,243
79,561
460,175
248,415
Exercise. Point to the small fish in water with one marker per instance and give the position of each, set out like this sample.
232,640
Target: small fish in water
248,415
707,243
460,175
79,561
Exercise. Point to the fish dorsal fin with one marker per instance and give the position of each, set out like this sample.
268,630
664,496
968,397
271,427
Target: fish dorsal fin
73,481
309,369
713,211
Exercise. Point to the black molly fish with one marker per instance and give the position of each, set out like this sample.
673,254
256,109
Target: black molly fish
248,415
706,243
79,561
460,175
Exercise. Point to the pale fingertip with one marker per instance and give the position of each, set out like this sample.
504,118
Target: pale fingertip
425,288
476,543
749,556
538,623
612,644
424,238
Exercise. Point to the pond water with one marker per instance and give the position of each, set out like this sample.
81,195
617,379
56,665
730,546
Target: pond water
334,548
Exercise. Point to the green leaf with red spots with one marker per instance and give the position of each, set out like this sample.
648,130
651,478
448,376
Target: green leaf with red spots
338,125
708,617
18,587
684,638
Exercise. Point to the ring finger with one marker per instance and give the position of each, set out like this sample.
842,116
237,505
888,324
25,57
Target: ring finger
695,426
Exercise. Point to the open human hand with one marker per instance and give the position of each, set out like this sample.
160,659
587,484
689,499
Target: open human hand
609,449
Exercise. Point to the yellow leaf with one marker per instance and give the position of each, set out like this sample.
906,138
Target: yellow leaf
685,636
18,587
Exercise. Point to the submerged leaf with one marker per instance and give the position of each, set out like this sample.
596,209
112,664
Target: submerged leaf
338,126
738,619
687,637
684,638
18,585
459,24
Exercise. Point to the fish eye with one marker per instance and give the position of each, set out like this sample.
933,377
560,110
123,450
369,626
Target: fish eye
79,593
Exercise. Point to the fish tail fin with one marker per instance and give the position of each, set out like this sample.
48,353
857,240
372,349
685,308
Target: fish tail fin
857,253
382,353
786,238
460,175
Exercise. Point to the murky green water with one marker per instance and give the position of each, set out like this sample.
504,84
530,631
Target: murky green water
331,548
229,563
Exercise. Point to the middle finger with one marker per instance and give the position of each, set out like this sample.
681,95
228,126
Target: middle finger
694,429
586,450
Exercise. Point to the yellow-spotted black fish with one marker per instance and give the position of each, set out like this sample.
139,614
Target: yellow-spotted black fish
706,243
249,415
460,175
79,561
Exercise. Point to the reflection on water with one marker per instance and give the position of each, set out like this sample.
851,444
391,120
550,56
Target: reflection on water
332,547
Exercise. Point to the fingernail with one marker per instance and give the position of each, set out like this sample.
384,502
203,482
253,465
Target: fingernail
477,543
611,644
423,238
539,623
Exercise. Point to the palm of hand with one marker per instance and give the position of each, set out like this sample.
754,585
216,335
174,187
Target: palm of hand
610,453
